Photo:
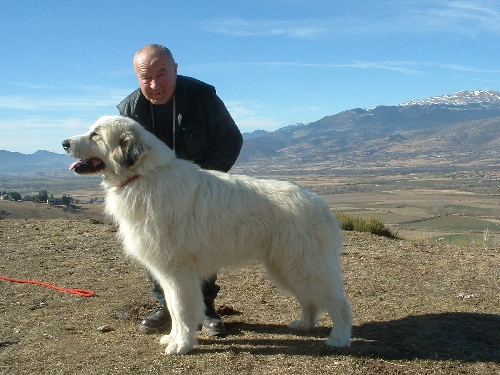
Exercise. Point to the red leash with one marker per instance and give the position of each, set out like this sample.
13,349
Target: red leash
80,292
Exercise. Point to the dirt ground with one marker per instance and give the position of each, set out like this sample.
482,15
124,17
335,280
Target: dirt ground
419,308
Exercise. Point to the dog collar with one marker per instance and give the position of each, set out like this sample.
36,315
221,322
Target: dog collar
130,179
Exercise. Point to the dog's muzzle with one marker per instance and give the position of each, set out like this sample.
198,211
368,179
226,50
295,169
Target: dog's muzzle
84,166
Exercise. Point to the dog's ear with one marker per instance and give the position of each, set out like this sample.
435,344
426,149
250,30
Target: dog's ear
131,149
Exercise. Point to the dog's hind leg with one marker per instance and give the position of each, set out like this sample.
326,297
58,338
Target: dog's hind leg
287,280
309,305
327,290
330,297
185,304
333,299
339,309
316,288
308,318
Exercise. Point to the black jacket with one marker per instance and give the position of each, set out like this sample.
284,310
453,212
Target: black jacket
205,131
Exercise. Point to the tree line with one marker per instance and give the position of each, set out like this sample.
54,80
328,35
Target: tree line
42,196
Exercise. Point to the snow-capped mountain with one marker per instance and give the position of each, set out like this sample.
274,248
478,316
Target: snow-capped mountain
463,128
461,98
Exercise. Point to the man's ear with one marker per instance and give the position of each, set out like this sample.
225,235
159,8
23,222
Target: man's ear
131,149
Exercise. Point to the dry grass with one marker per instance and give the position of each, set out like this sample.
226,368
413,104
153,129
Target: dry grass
419,308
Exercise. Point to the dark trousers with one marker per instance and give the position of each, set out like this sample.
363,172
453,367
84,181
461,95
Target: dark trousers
209,289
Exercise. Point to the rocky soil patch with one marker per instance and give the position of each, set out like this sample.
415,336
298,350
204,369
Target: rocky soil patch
419,308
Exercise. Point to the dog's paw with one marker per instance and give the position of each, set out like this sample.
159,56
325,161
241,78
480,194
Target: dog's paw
339,342
178,348
166,339
299,325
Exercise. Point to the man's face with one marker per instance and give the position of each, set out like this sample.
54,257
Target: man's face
157,74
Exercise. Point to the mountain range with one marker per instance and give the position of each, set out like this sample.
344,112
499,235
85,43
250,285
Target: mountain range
460,131
455,132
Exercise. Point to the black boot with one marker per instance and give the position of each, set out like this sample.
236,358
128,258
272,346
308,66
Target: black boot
212,322
157,322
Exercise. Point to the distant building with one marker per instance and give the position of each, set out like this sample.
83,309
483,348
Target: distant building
54,201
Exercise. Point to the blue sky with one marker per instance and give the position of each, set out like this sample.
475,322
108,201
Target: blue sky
274,63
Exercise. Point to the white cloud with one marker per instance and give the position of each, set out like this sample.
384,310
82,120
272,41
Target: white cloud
469,18
462,17
416,67
401,66
248,125
55,103
47,98
302,29
248,118
31,134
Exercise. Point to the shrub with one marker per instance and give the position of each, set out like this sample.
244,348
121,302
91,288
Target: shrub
361,224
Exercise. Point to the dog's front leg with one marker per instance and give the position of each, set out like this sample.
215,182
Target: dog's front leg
185,303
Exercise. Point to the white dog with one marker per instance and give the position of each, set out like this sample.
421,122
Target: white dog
184,224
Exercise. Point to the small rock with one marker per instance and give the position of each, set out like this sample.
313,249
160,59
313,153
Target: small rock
8,342
105,328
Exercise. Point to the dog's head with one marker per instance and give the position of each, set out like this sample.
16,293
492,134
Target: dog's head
114,147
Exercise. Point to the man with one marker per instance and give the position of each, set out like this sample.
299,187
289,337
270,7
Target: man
192,120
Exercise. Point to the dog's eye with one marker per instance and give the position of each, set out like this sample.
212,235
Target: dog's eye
94,135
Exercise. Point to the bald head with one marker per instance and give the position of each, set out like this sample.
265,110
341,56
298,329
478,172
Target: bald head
153,50
157,72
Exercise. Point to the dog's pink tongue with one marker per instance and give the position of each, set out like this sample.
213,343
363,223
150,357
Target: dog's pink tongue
73,165
94,162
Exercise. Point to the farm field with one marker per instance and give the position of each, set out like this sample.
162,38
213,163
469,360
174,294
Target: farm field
423,207
430,207
426,303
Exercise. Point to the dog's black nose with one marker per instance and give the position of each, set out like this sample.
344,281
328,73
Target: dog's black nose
66,144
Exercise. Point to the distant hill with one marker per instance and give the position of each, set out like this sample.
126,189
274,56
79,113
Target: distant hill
451,132
459,131
39,163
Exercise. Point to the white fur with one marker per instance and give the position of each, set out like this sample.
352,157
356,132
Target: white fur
184,224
